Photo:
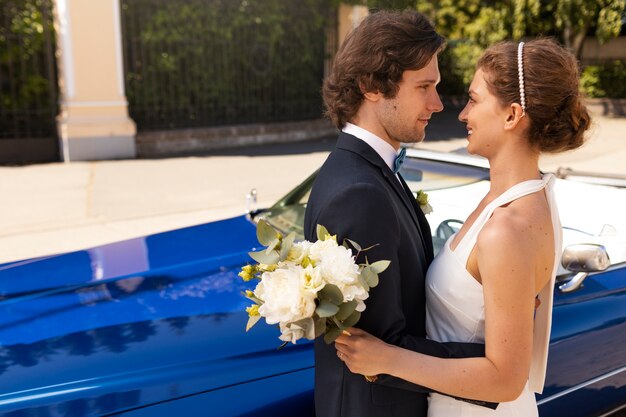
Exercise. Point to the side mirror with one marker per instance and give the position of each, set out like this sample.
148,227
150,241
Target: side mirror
583,259
251,201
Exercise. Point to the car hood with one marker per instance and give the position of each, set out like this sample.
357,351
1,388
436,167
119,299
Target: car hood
134,323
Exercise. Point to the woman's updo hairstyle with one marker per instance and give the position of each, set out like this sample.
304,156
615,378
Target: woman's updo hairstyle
558,118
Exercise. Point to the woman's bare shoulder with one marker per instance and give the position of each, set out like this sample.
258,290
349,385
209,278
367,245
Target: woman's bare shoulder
517,225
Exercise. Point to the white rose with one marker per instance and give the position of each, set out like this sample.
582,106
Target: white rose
291,332
284,294
313,280
298,251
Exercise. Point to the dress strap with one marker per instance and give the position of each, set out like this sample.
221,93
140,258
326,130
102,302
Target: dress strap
543,315
467,243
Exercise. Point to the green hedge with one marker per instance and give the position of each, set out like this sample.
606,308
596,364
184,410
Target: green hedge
219,62
604,80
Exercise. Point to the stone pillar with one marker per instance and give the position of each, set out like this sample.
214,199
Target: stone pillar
93,122
349,18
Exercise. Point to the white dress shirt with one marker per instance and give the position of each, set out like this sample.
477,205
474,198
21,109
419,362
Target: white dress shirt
382,148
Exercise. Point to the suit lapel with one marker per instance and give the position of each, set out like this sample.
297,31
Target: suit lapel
353,144
424,227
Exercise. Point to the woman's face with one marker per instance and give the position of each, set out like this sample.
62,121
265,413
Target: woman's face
484,116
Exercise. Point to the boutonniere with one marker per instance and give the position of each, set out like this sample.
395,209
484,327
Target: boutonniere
422,200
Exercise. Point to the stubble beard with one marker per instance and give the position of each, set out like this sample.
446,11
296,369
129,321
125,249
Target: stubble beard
398,129
405,134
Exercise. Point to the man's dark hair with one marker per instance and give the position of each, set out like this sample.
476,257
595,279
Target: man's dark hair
374,56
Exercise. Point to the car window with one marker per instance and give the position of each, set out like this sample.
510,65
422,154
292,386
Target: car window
287,214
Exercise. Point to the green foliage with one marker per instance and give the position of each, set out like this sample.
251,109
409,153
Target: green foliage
472,25
25,29
216,62
457,64
574,18
604,80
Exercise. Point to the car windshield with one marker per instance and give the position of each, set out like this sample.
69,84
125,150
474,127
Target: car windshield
287,215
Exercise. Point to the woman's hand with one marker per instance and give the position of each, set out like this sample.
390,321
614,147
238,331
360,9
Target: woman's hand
363,353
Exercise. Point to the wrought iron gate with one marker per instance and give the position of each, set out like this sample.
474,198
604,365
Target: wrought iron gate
28,82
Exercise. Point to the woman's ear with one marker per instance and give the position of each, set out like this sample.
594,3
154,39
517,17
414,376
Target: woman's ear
514,116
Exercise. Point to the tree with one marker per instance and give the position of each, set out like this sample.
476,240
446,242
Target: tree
574,19
488,21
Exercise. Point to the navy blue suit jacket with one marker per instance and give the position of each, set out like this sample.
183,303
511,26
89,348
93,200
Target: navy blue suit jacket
357,196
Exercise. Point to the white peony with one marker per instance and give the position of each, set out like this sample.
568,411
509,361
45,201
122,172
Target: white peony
285,295
337,266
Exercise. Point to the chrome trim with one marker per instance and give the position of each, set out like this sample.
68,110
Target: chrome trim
574,283
614,180
583,385
610,413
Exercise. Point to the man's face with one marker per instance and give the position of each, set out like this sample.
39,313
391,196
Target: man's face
404,117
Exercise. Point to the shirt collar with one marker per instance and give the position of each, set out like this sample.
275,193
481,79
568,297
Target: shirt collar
382,148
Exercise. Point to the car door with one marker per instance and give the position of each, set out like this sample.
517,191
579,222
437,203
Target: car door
586,373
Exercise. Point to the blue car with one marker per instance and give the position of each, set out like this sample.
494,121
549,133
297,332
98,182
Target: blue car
155,326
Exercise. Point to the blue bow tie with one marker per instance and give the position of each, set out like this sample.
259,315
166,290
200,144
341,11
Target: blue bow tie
399,160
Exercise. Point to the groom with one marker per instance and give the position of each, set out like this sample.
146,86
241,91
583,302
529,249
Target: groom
381,93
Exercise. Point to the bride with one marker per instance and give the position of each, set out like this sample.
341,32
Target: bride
482,286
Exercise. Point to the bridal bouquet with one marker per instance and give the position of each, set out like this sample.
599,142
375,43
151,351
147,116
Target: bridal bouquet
308,288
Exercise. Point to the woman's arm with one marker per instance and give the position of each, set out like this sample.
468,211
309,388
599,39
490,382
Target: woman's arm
506,258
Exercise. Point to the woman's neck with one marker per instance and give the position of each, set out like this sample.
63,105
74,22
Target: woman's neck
517,166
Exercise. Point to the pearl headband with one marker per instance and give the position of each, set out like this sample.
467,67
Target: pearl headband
520,71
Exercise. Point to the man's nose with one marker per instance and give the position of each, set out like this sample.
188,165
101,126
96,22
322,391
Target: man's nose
435,103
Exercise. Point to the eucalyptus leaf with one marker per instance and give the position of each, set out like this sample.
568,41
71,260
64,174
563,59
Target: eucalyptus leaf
320,326
263,258
286,246
322,233
332,334
380,266
252,321
352,320
265,233
331,293
355,245
345,310
273,244
326,309
253,298
369,276
364,283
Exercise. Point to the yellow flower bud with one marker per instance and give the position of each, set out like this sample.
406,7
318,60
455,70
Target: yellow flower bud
267,268
249,293
253,310
247,272
306,261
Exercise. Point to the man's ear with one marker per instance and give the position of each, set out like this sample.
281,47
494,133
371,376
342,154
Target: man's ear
369,95
514,116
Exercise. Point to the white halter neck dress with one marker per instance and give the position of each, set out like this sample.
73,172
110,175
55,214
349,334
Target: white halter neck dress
455,308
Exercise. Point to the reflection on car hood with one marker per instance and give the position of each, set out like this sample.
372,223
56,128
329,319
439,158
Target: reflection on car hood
133,323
